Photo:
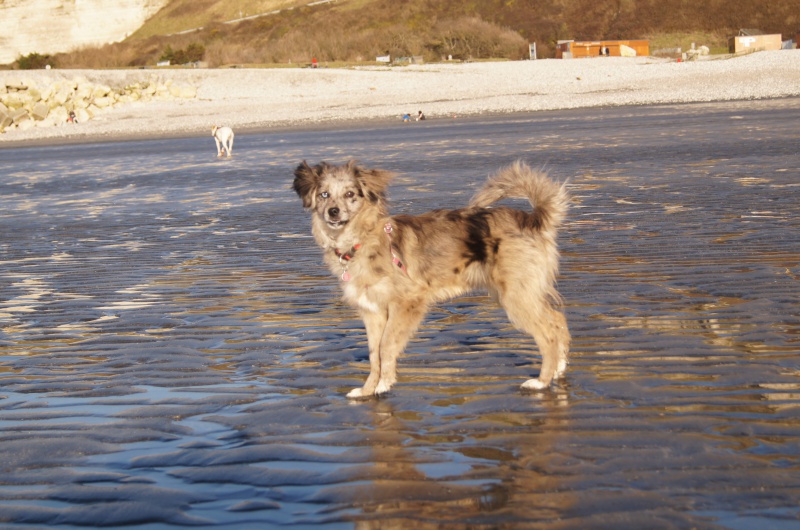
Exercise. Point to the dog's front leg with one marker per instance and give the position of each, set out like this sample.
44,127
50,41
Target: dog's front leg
375,324
404,318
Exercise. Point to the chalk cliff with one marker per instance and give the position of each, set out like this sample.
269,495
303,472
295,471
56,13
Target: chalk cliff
51,26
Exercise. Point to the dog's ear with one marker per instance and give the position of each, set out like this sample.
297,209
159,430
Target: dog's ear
372,181
305,183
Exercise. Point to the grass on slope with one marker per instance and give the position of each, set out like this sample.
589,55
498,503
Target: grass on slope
182,15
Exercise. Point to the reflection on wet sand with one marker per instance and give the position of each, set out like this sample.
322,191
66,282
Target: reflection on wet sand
454,475
174,353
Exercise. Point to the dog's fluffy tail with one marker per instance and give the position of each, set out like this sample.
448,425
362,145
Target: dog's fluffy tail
548,198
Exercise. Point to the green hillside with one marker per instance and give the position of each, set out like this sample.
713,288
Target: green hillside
292,32
183,15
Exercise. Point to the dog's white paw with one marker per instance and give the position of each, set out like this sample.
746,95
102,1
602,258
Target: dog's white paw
356,393
383,387
534,384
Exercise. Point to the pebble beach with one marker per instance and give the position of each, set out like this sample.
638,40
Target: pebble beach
263,98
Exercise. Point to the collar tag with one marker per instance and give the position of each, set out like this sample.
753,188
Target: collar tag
344,259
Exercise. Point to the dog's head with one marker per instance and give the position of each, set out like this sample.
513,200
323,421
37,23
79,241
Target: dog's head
214,130
337,194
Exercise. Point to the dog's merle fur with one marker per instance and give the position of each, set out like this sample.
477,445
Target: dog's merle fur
393,268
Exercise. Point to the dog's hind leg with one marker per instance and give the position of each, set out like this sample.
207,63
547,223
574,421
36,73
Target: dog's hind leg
547,326
552,337
560,329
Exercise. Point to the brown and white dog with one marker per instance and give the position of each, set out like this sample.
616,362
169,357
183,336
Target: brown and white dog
223,137
393,268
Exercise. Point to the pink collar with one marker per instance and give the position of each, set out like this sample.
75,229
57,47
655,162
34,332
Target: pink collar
345,257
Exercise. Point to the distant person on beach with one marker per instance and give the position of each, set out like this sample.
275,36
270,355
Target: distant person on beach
314,63
223,137
420,116
406,117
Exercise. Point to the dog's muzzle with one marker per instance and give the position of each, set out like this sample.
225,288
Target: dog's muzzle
333,218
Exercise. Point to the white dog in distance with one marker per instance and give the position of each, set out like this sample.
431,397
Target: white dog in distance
223,136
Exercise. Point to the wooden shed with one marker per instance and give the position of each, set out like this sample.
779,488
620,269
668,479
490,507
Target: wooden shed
575,49
753,43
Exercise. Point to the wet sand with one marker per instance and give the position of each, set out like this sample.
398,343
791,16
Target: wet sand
173,351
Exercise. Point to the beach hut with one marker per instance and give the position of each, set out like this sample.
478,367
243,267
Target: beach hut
568,49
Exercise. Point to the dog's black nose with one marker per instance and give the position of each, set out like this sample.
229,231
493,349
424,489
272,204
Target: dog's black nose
333,213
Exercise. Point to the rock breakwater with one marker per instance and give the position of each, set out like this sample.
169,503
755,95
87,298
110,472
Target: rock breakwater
25,104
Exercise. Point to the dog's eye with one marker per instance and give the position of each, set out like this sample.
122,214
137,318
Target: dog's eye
349,194
324,194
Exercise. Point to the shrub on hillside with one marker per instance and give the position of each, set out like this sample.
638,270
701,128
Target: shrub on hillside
472,38
34,61
191,54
